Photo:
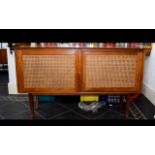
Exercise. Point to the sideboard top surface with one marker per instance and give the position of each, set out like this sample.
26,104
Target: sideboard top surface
31,48
39,49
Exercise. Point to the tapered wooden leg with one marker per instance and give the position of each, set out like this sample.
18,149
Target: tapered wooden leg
128,104
121,104
37,101
31,106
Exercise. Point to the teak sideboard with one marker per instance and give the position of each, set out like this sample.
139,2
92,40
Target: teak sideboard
79,71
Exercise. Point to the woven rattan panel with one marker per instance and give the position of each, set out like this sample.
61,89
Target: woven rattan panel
110,71
49,71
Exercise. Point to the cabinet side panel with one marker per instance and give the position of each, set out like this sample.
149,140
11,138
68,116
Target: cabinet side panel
19,70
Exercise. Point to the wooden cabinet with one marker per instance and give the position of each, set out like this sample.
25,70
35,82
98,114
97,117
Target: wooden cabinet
75,71
3,56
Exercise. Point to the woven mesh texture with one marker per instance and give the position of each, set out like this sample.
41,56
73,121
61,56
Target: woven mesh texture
110,70
49,71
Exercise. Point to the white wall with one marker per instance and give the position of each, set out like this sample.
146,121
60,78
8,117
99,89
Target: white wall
149,76
12,85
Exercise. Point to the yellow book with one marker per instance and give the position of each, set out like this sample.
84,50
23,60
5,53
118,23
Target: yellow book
94,45
89,98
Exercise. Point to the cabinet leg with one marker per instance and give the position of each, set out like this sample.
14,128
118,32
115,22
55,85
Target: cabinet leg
128,104
31,106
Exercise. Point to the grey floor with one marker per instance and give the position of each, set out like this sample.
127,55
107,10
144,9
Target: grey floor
66,107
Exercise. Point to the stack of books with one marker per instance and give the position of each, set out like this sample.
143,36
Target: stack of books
94,45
